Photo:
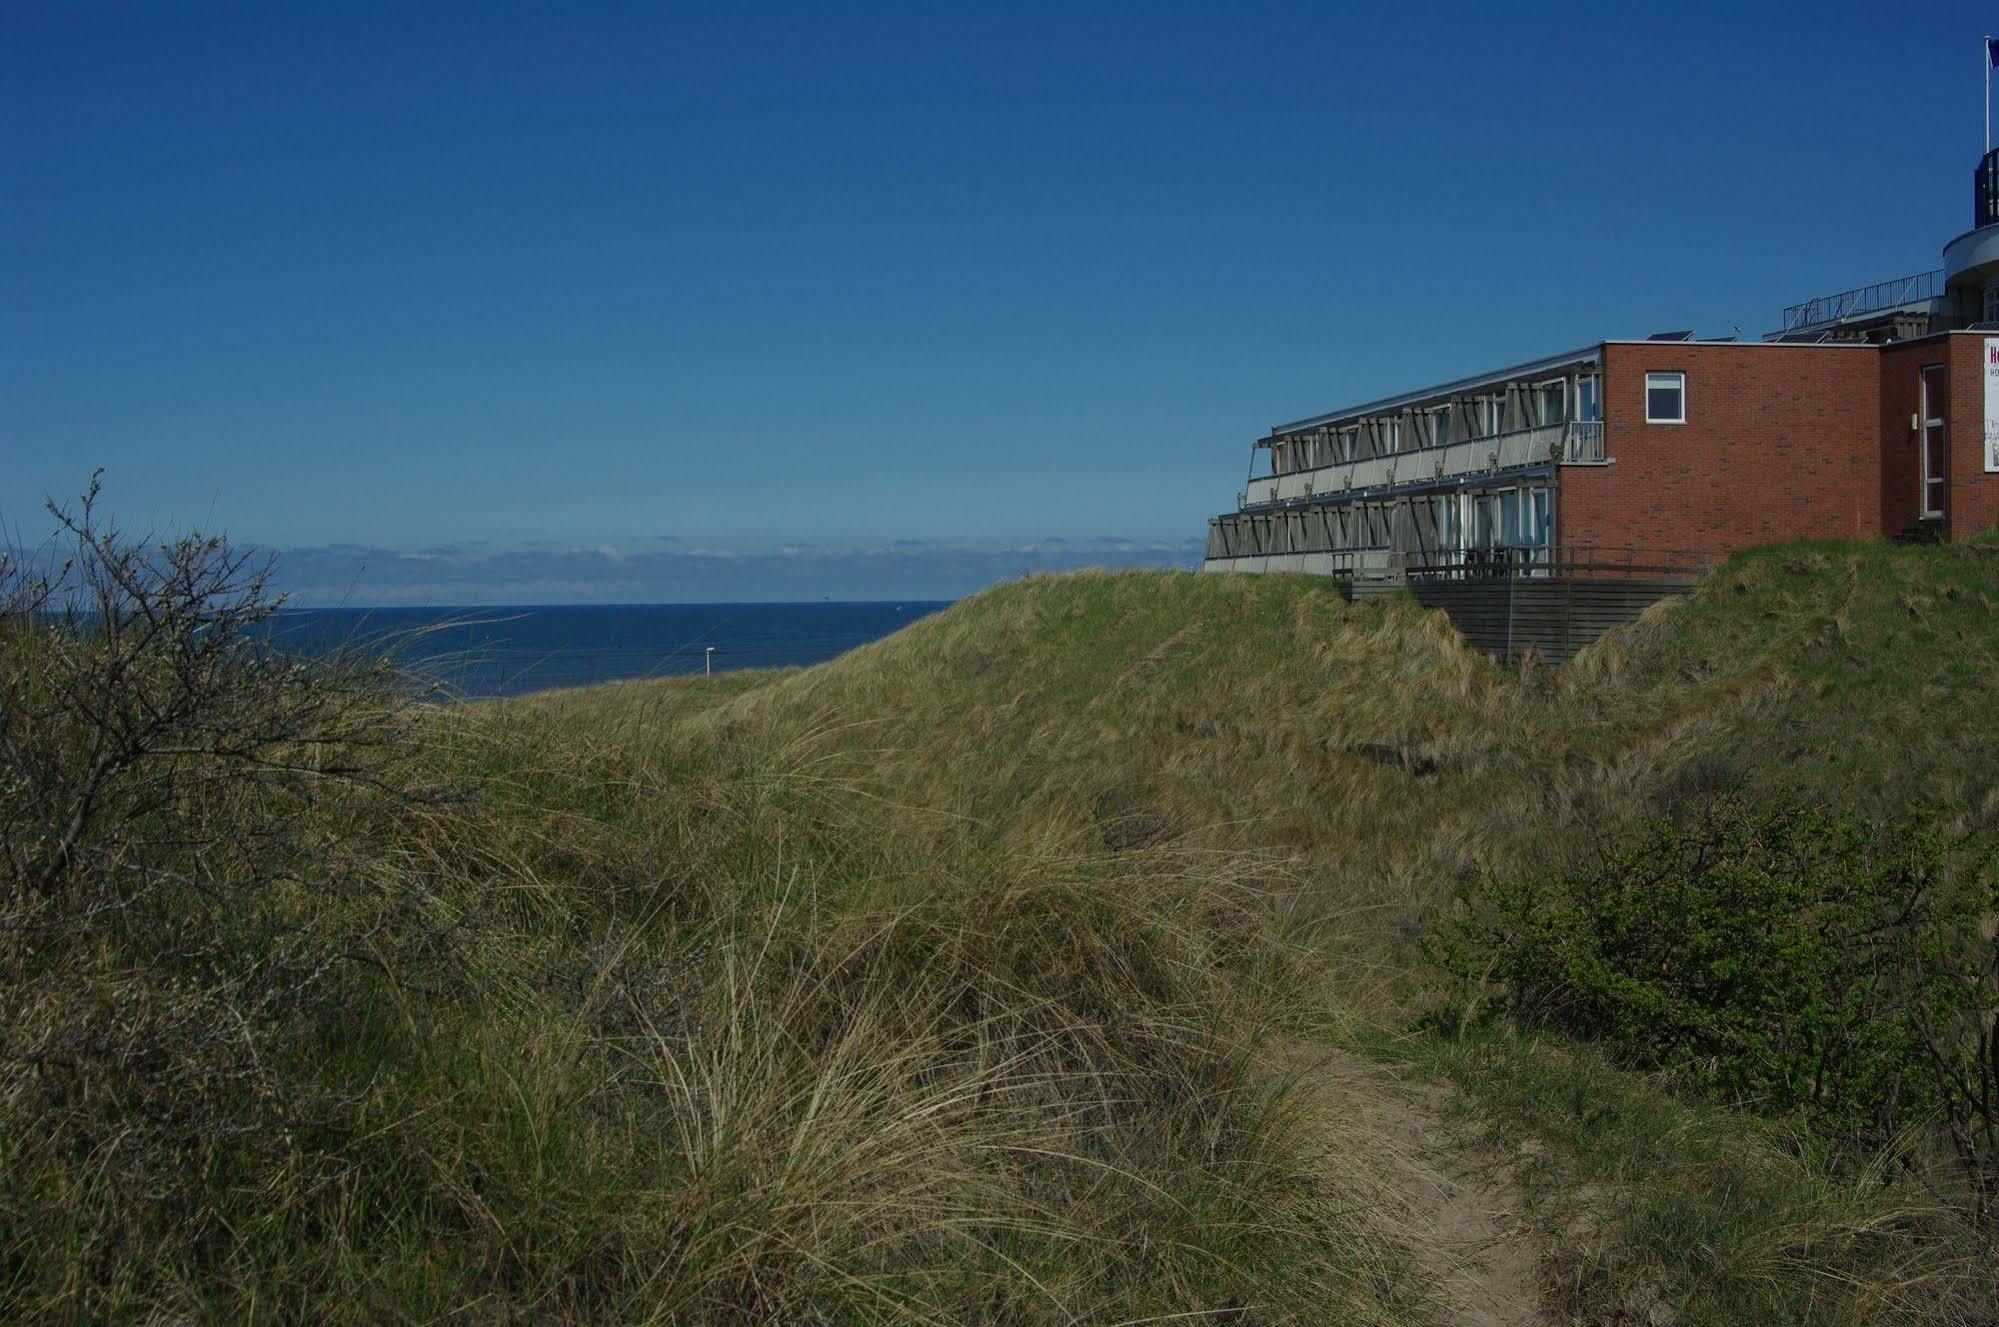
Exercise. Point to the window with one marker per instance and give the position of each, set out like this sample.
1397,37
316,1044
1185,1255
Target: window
1665,398
1992,303
1548,402
1589,401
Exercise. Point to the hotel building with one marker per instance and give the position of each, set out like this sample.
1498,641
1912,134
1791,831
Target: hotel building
1871,412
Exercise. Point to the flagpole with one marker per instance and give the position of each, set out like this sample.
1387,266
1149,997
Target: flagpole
1988,94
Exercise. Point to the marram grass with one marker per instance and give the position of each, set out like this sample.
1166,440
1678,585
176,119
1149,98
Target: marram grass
947,982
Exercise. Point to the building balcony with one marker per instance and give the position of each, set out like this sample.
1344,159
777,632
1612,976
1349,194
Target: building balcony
1575,442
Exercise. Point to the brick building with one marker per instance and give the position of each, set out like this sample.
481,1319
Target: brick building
1871,412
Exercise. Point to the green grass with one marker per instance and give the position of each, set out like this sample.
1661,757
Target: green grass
942,982
1854,668
676,1024
1644,1198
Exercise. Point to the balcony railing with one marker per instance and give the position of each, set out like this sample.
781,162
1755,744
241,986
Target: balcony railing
1583,444
1864,299
1575,442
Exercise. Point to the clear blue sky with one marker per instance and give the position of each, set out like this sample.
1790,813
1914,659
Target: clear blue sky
524,303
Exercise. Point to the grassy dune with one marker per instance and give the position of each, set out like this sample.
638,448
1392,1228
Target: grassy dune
953,980
1357,751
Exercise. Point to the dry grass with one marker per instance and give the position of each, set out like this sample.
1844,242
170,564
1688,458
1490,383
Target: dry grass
1362,761
934,984
676,1024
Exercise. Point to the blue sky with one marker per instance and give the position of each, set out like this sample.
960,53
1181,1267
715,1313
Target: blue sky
533,303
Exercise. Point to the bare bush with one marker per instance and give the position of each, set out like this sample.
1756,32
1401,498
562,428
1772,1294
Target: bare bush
194,880
151,731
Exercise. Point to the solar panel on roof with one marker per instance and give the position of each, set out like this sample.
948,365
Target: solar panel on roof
1687,335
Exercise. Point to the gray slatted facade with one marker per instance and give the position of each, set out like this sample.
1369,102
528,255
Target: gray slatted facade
1556,617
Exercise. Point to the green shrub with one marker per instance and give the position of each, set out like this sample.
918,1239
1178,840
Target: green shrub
1796,959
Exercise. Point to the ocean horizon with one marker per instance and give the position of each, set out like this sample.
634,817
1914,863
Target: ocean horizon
485,651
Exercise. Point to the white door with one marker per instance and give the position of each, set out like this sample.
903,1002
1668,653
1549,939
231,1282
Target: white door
1936,445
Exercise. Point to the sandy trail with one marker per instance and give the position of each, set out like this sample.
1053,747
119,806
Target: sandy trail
1463,1208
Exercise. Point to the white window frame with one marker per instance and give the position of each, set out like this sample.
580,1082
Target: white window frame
1936,492
1550,401
1681,383
1536,504
1589,398
1440,425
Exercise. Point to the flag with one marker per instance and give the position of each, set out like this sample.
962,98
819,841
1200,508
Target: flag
1992,51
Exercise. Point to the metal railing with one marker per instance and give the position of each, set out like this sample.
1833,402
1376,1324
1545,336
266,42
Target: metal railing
1503,563
1583,444
1571,442
1866,299
1338,563
1571,562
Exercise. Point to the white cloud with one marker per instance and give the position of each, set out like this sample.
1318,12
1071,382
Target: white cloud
646,573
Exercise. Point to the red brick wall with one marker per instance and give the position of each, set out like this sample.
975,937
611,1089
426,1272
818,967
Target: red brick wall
1781,442
1901,446
1973,504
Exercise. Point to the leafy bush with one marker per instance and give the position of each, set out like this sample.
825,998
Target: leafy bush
1793,958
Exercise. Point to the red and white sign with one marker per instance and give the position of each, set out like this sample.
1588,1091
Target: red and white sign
1992,405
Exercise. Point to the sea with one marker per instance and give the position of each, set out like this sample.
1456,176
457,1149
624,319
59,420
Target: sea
479,653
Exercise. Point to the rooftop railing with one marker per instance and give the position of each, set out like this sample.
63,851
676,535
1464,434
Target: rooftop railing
1867,299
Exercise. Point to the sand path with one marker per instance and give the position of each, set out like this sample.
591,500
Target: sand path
1463,1207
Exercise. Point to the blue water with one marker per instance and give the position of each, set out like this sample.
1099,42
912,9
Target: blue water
482,652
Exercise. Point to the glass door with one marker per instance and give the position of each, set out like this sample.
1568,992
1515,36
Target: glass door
1589,398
